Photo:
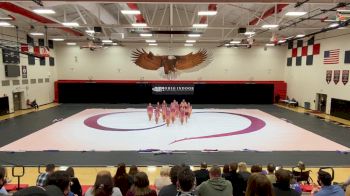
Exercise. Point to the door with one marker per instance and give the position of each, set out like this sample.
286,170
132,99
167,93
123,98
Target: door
16,101
321,102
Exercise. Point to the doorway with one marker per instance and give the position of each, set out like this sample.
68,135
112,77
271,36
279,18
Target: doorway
321,102
17,101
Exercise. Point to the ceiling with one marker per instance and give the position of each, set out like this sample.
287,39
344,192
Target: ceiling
176,16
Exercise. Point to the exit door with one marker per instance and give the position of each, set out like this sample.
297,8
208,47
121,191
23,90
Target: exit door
16,101
321,102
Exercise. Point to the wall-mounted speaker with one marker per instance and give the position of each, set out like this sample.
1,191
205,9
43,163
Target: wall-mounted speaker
242,30
98,29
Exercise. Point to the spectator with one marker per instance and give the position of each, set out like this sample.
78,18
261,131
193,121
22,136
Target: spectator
226,171
103,186
163,179
347,193
259,185
50,168
33,104
237,181
31,191
59,179
256,169
133,171
122,180
141,186
216,185
172,188
242,169
3,180
202,174
75,186
271,172
327,189
186,182
282,185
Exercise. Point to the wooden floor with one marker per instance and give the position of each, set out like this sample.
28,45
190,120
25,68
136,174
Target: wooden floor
26,111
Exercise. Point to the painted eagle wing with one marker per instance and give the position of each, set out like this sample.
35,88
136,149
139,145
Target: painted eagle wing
190,60
146,60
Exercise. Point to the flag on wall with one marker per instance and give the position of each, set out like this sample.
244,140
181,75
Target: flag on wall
336,76
347,57
304,52
329,76
331,56
345,77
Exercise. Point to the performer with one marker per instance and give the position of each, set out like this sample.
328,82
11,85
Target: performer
177,109
182,115
173,111
157,113
164,106
150,111
168,116
189,109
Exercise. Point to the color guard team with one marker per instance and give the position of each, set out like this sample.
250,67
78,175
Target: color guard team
169,114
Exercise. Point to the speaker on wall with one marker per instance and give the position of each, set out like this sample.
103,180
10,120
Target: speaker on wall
242,30
98,29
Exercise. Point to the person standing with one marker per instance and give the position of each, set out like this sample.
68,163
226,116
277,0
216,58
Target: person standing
202,174
41,180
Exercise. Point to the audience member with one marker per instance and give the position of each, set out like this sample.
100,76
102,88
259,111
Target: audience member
75,186
172,188
256,169
141,186
282,185
202,174
33,104
327,189
59,179
259,185
186,181
50,168
122,180
226,171
163,179
271,172
237,181
133,171
347,192
216,185
32,191
103,186
242,169
3,180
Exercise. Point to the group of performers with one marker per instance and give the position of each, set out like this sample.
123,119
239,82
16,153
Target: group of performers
169,114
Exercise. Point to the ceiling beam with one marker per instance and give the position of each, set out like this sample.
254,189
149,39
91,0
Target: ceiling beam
184,1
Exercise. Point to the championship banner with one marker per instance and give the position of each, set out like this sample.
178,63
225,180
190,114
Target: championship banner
336,76
329,76
24,71
172,89
345,77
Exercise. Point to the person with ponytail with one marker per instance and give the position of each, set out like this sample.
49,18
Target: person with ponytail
103,186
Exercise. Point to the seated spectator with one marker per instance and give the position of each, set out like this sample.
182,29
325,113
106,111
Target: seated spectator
32,191
133,171
271,172
122,180
50,168
59,179
226,171
103,186
236,179
75,186
282,185
172,188
202,174
186,181
163,179
259,185
216,185
32,104
3,180
327,189
141,186
256,169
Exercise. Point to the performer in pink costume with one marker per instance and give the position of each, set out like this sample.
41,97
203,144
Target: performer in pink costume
164,106
168,116
150,111
157,113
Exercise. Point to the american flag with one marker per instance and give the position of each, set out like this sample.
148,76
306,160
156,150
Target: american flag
331,56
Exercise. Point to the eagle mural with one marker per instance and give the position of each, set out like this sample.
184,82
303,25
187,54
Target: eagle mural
170,63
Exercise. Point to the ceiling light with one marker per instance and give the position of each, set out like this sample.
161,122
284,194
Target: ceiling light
200,25
146,35
107,41
194,35
139,24
269,44
153,44
188,45
115,44
269,26
6,18
151,41
295,13
58,39
36,34
207,13
227,44
70,24
44,11
90,31
131,12
190,41
300,35
281,41
249,33
333,25
344,11
235,42
71,44
5,24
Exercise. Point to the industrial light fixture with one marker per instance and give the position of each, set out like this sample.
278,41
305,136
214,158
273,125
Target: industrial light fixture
295,13
300,36
58,39
343,11
188,45
146,35
207,13
281,41
200,25
269,44
107,41
5,24
115,44
6,18
71,43
227,44
90,31
70,24
194,35
151,41
44,11
36,34
333,25
153,44
190,41
235,42
139,24
269,26
130,12
249,33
